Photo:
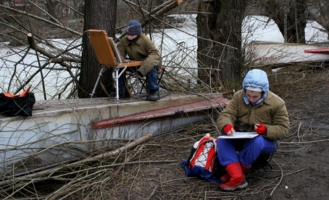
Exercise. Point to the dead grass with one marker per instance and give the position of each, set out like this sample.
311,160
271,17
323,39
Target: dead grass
152,170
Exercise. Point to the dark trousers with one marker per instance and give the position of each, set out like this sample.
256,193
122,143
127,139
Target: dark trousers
151,80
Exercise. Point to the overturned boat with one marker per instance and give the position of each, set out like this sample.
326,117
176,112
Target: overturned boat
60,131
264,54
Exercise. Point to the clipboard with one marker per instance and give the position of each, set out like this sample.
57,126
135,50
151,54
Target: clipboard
239,135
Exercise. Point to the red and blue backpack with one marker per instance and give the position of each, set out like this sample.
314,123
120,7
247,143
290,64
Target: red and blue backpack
203,162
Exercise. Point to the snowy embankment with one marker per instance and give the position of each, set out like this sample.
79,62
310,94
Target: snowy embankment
178,48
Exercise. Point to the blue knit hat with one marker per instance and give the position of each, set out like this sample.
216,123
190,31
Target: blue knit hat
133,28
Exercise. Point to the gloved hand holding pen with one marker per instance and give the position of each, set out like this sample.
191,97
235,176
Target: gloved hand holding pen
228,129
260,129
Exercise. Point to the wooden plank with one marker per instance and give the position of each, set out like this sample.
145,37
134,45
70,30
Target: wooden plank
102,47
132,63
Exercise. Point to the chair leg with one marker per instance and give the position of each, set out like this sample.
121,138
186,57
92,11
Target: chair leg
117,84
97,81
138,86
117,76
127,90
162,84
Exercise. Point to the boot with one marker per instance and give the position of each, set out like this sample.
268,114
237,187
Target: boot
225,178
237,180
244,168
153,96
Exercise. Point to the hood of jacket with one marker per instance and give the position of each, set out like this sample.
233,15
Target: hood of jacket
256,78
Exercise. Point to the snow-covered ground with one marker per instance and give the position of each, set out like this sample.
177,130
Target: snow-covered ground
54,76
260,28
178,48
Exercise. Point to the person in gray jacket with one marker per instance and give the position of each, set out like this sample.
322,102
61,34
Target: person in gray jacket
137,46
254,108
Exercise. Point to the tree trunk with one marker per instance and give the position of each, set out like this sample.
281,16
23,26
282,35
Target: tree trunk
51,6
319,11
296,18
220,59
98,14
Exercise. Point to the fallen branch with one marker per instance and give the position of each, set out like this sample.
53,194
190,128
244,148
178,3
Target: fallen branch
41,19
74,164
168,6
117,151
309,142
281,177
160,9
52,58
156,12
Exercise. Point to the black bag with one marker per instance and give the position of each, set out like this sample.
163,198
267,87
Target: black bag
15,105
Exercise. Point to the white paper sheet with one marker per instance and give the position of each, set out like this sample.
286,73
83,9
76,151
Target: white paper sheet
239,135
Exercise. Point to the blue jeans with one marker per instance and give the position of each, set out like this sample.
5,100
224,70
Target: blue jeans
245,151
151,78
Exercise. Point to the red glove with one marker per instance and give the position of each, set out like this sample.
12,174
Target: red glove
260,129
227,128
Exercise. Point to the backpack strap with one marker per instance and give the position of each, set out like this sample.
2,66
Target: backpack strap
209,164
27,90
9,95
210,159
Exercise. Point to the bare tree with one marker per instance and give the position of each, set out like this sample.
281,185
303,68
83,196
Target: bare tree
220,57
30,25
319,11
98,15
101,15
51,5
64,68
290,16
219,41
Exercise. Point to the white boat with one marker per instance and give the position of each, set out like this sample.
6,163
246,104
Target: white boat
262,54
64,130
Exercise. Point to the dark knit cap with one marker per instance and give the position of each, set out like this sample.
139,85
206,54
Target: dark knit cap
133,28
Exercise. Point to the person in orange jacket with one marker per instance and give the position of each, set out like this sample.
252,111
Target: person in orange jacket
254,108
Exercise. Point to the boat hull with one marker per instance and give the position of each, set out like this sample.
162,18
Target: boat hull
64,130
264,54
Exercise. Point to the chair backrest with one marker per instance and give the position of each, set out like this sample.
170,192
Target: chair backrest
104,47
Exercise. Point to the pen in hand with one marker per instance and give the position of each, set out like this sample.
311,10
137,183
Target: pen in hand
229,129
260,128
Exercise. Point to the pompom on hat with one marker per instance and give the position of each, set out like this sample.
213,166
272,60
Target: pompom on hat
133,27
